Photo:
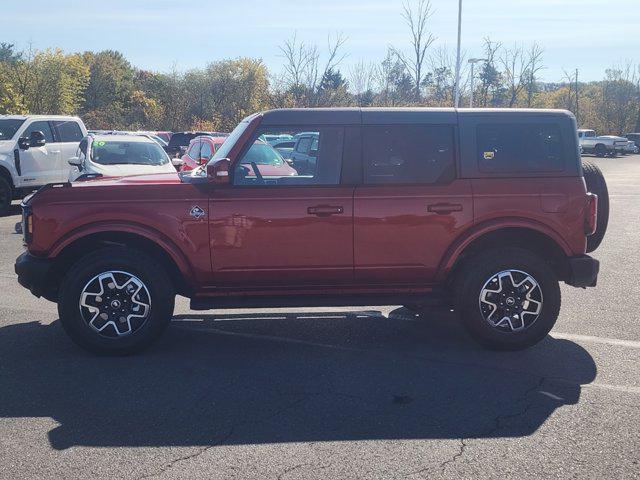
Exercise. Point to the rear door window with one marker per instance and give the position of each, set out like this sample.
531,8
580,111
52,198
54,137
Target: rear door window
68,131
408,154
519,147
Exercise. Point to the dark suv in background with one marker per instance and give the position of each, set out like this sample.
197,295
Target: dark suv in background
483,211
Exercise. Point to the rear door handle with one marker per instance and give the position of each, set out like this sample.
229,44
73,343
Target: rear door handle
325,210
444,208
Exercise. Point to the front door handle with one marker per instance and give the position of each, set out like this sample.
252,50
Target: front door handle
444,208
325,210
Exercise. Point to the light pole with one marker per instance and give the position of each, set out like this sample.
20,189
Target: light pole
457,86
473,61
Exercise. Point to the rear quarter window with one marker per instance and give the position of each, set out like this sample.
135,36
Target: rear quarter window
519,148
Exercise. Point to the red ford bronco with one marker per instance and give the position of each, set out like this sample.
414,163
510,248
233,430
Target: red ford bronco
485,211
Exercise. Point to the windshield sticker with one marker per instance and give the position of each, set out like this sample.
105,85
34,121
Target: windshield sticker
101,143
489,155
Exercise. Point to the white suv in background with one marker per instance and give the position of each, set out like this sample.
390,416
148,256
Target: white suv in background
34,151
118,156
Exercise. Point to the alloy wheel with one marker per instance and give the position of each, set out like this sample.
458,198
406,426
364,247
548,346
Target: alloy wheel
511,301
115,304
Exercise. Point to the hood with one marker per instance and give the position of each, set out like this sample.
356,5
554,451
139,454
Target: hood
6,146
124,170
150,179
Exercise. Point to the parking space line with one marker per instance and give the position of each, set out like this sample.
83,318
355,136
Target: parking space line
602,340
616,388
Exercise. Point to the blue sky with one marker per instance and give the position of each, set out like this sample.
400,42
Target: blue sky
586,34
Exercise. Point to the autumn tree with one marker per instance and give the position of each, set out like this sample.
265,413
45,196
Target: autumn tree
416,18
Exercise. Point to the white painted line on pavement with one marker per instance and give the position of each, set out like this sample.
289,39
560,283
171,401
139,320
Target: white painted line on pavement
617,388
602,340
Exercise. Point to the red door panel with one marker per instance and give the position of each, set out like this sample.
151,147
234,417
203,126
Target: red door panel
275,236
402,233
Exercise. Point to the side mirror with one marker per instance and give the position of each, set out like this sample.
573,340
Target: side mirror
313,153
75,161
218,171
23,143
37,139
177,162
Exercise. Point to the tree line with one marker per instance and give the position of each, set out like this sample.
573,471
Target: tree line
108,92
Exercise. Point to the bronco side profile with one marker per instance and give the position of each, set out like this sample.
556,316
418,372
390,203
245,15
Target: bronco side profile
485,211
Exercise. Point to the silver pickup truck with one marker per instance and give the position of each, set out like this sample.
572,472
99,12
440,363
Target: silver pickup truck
601,145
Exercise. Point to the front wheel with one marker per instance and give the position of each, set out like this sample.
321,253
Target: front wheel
5,196
115,301
509,299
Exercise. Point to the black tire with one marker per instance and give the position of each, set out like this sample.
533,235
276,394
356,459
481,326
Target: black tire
481,269
152,276
6,195
600,150
596,183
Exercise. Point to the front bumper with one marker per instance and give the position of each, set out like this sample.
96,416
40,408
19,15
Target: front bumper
583,271
33,272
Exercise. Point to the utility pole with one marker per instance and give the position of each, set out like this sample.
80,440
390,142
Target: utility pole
472,62
457,86
577,101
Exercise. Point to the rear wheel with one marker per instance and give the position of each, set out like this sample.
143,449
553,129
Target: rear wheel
115,302
508,299
5,196
596,183
600,150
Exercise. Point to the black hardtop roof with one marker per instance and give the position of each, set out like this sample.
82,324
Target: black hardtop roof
386,116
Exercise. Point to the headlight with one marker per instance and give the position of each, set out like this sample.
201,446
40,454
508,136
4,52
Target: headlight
27,199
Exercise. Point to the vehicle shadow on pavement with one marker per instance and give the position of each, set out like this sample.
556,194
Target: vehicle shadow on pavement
287,377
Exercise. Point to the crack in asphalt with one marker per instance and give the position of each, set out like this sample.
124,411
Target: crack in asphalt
226,437
291,469
445,464
498,424
185,458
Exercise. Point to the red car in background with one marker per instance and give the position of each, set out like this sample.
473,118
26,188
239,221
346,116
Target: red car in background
200,151
266,159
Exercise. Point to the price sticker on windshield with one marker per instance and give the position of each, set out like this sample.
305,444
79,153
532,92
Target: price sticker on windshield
489,155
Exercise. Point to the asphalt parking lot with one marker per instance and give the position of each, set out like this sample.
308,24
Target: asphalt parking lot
333,392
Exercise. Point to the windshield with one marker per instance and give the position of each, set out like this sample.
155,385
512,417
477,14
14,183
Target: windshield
160,141
8,128
181,139
121,152
223,151
262,154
